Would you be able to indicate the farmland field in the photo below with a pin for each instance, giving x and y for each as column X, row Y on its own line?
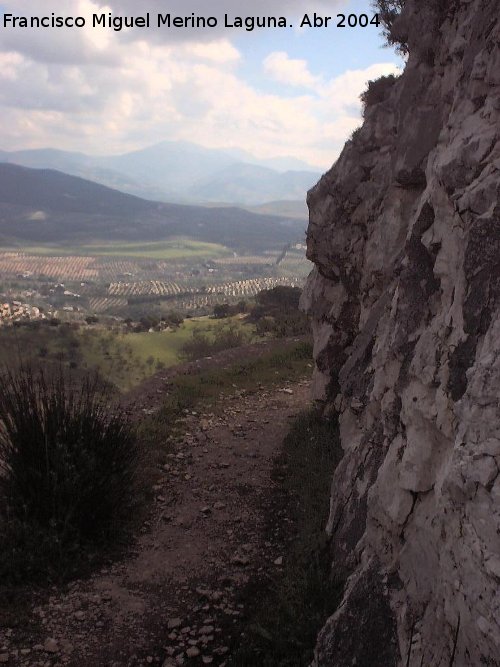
column 131, row 280
column 177, row 248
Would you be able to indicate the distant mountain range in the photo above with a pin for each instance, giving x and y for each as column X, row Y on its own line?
column 44, row 206
column 182, row 172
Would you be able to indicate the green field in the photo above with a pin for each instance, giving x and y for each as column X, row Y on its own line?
column 165, row 346
column 175, row 248
column 124, row 359
column 127, row 359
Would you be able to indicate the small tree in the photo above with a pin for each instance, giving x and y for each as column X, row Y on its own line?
column 388, row 11
column 221, row 310
column 174, row 318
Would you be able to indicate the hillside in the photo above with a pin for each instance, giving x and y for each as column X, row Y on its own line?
column 182, row 172
column 50, row 207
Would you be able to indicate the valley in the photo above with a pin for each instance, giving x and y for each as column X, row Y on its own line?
column 72, row 249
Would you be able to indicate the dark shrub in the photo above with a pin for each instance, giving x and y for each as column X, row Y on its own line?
column 281, row 296
column 222, row 310
column 277, row 312
column 67, row 471
column 388, row 11
column 202, row 345
column 174, row 318
column 377, row 91
column 356, row 134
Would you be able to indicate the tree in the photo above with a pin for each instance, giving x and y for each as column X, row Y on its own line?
column 174, row 318
column 221, row 310
column 279, row 297
column 277, row 312
column 388, row 11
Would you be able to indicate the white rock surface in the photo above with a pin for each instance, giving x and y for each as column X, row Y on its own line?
column 405, row 234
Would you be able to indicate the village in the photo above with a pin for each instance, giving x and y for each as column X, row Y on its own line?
column 15, row 311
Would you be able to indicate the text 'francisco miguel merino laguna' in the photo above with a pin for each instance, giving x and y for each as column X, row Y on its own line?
column 118, row 23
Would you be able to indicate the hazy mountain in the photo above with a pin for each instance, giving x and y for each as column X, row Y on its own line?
column 283, row 163
column 182, row 172
column 47, row 206
column 174, row 166
column 252, row 185
column 78, row 164
column 286, row 208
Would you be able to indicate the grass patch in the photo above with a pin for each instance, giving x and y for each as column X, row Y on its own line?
column 291, row 608
column 38, row 345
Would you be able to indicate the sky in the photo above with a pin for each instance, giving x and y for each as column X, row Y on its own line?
column 273, row 92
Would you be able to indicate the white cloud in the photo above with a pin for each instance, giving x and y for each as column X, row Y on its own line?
column 91, row 90
column 221, row 51
column 343, row 92
column 290, row 71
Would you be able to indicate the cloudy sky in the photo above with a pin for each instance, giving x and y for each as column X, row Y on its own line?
column 271, row 92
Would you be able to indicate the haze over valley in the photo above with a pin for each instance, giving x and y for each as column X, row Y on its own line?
column 183, row 172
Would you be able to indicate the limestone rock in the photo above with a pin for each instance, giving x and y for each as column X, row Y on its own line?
column 51, row 645
column 174, row 623
column 405, row 299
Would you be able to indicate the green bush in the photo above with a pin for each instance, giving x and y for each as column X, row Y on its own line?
column 68, row 466
column 396, row 33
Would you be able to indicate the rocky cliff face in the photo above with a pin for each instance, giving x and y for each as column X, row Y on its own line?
column 405, row 297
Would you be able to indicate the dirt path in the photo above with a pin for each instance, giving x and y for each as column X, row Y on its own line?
column 175, row 599
column 146, row 395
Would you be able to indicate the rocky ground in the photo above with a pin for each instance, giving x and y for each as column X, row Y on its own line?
column 177, row 598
